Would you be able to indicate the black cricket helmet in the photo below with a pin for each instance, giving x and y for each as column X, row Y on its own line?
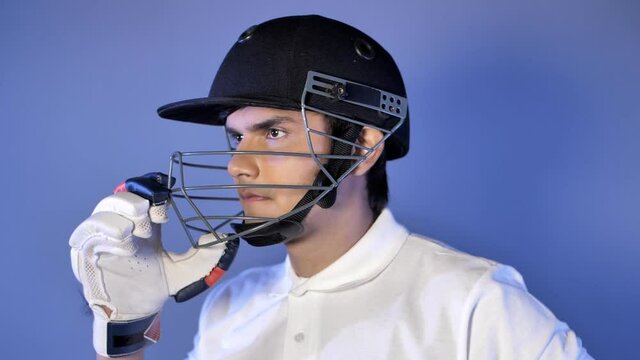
column 304, row 63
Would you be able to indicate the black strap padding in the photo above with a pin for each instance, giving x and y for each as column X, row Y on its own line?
column 269, row 235
column 200, row 285
column 126, row 337
column 337, row 167
column 191, row 290
column 229, row 254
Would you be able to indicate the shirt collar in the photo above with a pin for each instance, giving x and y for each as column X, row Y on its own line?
column 364, row 261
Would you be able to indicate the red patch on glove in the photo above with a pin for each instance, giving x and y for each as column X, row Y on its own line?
column 215, row 275
column 120, row 188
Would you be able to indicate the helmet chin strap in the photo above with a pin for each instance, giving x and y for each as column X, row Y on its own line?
column 291, row 227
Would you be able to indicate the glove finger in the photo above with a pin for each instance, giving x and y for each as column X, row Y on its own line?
column 159, row 213
column 75, row 259
column 104, row 232
column 130, row 206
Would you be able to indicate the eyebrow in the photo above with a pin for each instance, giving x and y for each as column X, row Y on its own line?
column 264, row 124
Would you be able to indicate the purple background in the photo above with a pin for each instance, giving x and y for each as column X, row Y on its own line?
column 525, row 128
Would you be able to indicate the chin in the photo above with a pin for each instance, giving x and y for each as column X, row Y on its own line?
column 261, row 211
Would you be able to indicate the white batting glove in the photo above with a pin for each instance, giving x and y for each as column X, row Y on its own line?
column 127, row 276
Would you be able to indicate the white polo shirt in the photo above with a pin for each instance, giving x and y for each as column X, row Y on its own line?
column 393, row 295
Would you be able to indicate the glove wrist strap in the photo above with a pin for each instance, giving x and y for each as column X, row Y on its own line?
column 120, row 338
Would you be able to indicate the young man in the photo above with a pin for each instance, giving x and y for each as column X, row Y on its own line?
column 313, row 109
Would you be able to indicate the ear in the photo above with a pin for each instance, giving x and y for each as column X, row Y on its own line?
column 369, row 138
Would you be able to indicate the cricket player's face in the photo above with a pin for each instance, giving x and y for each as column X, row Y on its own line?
column 268, row 129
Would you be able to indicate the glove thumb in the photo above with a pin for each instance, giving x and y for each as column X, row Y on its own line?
column 192, row 272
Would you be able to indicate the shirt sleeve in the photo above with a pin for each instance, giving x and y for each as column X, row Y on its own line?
column 504, row 321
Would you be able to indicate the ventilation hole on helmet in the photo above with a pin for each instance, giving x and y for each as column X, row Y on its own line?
column 246, row 35
column 397, row 111
column 384, row 97
column 391, row 108
column 392, row 99
column 364, row 49
column 383, row 106
column 398, row 101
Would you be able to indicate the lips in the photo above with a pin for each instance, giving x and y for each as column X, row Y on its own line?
column 251, row 195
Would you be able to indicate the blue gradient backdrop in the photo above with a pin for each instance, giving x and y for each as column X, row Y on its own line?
column 525, row 128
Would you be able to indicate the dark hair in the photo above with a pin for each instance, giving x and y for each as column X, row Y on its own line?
column 377, row 184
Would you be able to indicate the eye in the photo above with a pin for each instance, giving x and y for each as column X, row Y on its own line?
column 234, row 139
column 273, row 133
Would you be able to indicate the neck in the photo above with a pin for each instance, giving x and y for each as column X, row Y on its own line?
column 330, row 233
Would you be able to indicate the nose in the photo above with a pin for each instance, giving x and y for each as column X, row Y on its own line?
column 243, row 166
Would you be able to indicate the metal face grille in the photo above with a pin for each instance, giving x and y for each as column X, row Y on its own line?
column 205, row 197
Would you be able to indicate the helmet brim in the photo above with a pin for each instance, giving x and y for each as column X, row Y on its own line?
column 214, row 110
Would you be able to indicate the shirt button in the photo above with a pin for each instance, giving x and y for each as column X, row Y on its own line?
column 299, row 337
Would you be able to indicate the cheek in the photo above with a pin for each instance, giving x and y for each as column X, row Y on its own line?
column 321, row 144
column 289, row 170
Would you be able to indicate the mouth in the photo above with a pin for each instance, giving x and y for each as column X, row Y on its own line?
column 249, row 196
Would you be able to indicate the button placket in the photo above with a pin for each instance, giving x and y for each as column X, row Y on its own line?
column 300, row 327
